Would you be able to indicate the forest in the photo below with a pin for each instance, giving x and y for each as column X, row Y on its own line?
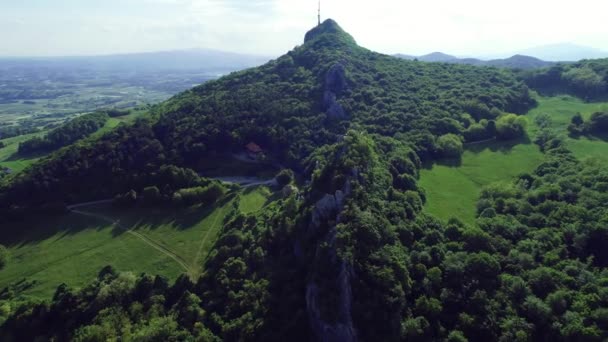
column 587, row 79
column 352, row 255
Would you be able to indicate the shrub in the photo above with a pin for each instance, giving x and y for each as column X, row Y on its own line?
column 126, row 200
column 284, row 177
column 598, row 123
column 151, row 195
column 510, row 126
column 199, row 195
column 449, row 145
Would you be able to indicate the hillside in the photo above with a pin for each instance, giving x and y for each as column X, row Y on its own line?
column 347, row 250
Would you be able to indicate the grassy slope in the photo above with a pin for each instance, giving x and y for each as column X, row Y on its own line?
column 72, row 249
column 453, row 190
column 562, row 109
column 8, row 154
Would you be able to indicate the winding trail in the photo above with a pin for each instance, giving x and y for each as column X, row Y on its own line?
column 159, row 247
column 247, row 182
column 195, row 263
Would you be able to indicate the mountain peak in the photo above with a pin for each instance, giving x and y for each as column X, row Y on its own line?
column 328, row 27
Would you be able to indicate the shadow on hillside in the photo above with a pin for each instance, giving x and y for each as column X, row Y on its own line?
column 101, row 217
column 155, row 218
column 33, row 230
column 21, row 156
column 502, row 146
column 592, row 136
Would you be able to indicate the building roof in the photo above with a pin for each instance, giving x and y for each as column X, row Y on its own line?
column 253, row 147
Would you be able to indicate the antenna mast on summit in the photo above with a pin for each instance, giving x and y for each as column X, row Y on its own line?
column 319, row 13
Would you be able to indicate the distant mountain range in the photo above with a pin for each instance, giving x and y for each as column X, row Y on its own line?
column 564, row 52
column 514, row 62
column 536, row 57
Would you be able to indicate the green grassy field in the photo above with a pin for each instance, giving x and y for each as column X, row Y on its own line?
column 73, row 248
column 562, row 109
column 453, row 188
column 9, row 157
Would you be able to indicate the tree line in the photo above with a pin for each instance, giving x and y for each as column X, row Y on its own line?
column 66, row 134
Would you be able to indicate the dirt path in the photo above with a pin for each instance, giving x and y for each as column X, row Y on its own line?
column 247, row 182
column 88, row 204
column 143, row 238
column 196, row 265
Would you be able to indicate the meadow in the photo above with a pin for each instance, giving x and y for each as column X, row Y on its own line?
column 453, row 187
column 9, row 157
column 71, row 249
column 562, row 109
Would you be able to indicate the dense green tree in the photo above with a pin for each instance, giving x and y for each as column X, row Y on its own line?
column 587, row 79
column 598, row 123
column 66, row 134
column 511, row 126
column 285, row 177
column 450, row 145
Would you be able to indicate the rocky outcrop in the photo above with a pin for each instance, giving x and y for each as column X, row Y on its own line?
column 335, row 84
column 343, row 329
column 335, row 79
column 333, row 109
column 327, row 209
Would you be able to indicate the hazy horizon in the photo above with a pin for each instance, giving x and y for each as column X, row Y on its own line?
column 34, row 28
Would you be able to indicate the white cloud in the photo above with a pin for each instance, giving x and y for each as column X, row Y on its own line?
column 464, row 27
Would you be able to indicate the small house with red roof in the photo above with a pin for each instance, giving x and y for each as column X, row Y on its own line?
column 254, row 151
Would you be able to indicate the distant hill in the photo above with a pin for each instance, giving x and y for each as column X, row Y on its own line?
column 564, row 52
column 514, row 62
column 438, row 57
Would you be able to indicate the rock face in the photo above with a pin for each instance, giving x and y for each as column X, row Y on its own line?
column 335, row 79
column 335, row 84
column 342, row 329
column 333, row 109
column 327, row 207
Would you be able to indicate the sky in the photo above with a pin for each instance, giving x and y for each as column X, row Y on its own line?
column 272, row 27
